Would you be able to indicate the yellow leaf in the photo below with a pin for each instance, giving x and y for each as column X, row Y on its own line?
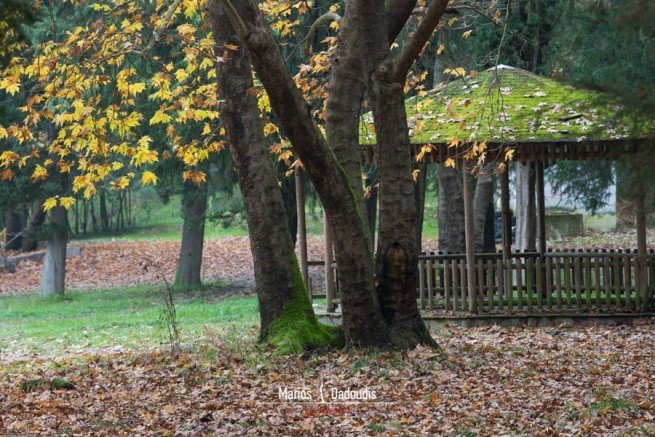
column 454, row 142
column 231, row 46
column 509, row 153
column 415, row 174
column 452, row 21
column 145, row 141
column 149, row 177
column 49, row 204
column 160, row 117
column 440, row 49
column 467, row 34
column 7, row 174
column 450, row 162
column 66, row 202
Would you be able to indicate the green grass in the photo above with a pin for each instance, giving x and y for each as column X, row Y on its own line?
column 128, row 317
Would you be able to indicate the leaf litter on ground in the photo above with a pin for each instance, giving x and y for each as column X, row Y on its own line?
column 564, row 380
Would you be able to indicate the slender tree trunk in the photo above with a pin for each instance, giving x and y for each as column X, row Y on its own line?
column 104, row 217
column 371, row 183
column 450, row 211
column 37, row 218
column 526, row 218
column 14, row 226
column 54, row 265
column 484, row 194
column 194, row 206
column 286, row 315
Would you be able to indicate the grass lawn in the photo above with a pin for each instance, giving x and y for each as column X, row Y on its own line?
column 128, row 317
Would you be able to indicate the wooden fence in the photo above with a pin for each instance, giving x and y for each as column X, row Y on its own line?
column 572, row 280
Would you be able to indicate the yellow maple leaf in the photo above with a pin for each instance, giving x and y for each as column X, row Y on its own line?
column 49, row 204
column 440, row 49
column 66, row 202
column 149, row 177
column 467, row 34
column 450, row 162
column 509, row 153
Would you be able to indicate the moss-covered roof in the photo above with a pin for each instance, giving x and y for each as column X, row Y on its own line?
column 506, row 104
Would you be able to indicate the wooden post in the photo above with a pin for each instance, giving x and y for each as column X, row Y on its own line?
column 329, row 272
column 506, row 232
column 302, row 229
column 541, row 206
column 642, row 256
column 470, row 240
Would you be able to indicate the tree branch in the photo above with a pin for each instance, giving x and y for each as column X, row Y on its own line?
column 413, row 48
column 397, row 12
column 157, row 33
column 319, row 21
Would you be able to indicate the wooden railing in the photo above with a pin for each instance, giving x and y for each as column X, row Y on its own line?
column 573, row 280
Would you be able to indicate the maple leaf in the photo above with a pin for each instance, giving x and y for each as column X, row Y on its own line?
column 450, row 162
column 149, row 177
column 49, row 203
column 66, row 202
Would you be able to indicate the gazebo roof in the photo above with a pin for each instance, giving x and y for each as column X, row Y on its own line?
column 509, row 106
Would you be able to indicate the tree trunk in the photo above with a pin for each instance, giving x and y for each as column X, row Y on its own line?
column 450, row 211
column 362, row 319
column 13, row 226
column 104, row 217
column 484, row 194
column 287, row 319
column 397, row 254
column 526, row 218
column 54, row 265
column 37, row 218
column 194, row 206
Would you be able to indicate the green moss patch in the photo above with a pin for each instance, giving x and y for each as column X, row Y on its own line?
column 297, row 329
column 513, row 105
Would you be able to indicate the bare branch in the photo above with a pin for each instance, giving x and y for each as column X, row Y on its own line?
column 413, row 48
column 157, row 33
column 319, row 21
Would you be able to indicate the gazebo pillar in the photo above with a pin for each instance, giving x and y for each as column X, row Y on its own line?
column 506, row 215
column 469, row 233
column 642, row 255
column 302, row 228
column 330, row 287
column 541, row 207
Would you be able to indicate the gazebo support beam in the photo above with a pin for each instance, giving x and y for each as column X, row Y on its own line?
column 541, row 206
column 642, row 257
column 470, row 239
column 302, row 228
column 330, row 287
column 506, row 216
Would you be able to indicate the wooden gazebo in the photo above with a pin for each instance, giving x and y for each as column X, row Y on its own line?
column 505, row 114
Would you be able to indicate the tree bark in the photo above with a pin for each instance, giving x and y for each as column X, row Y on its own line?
column 286, row 315
column 526, row 219
column 450, row 211
column 37, row 218
column 362, row 319
column 54, row 265
column 13, row 226
column 104, row 217
column 397, row 254
column 194, row 206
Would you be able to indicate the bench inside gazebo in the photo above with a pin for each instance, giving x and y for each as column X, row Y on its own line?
column 511, row 115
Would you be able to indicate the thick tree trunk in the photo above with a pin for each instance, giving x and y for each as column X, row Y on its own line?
column 484, row 194
column 54, row 265
column 13, row 226
column 37, row 218
column 397, row 254
column 362, row 319
column 194, row 206
column 526, row 218
column 286, row 315
column 450, row 210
